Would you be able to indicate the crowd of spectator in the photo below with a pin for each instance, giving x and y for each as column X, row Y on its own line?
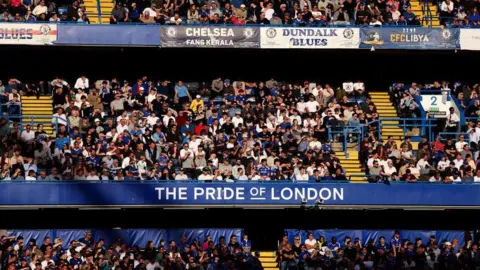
column 86, row 254
column 394, row 253
column 297, row 13
column 42, row 11
column 158, row 130
column 459, row 14
column 453, row 157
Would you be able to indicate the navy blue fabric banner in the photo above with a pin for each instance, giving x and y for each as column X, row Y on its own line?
column 180, row 194
column 411, row 38
column 116, row 35
column 131, row 237
column 201, row 36
column 366, row 235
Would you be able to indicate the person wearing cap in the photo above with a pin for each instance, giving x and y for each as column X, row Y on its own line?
column 240, row 11
column 276, row 20
column 197, row 104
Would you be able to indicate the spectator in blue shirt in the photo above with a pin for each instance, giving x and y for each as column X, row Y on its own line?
column 299, row 21
column 134, row 14
column 75, row 260
column 62, row 140
column 333, row 245
column 396, row 242
column 402, row 21
column 382, row 245
column 181, row 93
column 87, row 240
column 475, row 16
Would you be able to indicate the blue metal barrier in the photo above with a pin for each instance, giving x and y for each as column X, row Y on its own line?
column 52, row 120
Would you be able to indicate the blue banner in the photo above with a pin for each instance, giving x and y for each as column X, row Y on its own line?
column 113, row 35
column 365, row 235
column 410, row 38
column 131, row 237
column 221, row 194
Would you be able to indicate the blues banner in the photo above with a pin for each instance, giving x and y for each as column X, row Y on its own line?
column 112, row 35
column 410, row 38
column 248, row 194
column 470, row 39
column 210, row 37
column 28, row 33
column 309, row 38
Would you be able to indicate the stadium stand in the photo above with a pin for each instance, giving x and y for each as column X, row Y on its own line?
column 237, row 131
column 300, row 249
column 220, row 130
column 232, row 249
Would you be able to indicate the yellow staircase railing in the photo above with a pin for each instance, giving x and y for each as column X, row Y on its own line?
column 419, row 9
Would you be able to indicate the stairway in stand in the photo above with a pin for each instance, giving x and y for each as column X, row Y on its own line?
column 92, row 10
column 268, row 260
column 31, row 107
column 99, row 7
column 419, row 10
column 349, row 161
column 106, row 7
column 385, row 109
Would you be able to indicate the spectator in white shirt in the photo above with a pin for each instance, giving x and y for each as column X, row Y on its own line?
column 312, row 105
column 461, row 142
column 59, row 117
column 476, row 178
column 31, row 176
column 92, row 176
column 205, row 176
column 181, row 175
column 376, row 22
column 310, row 243
column 40, row 9
column 237, row 120
column 389, row 169
column 59, row 83
column 47, row 260
column 82, row 83
column 151, row 11
column 447, row 7
column 435, row 178
column 452, row 121
column 27, row 136
column 458, row 161
column 423, row 165
column 442, row 164
column 302, row 175
column 241, row 175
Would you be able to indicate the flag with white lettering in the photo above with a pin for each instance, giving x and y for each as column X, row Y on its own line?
column 310, row 38
column 410, row 38
column 209, row 37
